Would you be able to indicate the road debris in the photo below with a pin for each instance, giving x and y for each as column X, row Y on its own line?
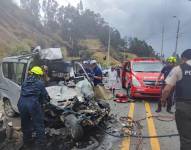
column 2, row 128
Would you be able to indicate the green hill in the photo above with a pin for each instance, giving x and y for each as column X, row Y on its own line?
column 20, row 30
column 99, row 52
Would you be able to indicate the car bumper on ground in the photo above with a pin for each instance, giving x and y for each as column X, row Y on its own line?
column 146, row 92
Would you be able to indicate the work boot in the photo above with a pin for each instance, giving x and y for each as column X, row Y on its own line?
column 27, row 145
column 159, row 107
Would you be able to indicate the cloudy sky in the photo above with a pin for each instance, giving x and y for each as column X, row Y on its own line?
column 144, row 19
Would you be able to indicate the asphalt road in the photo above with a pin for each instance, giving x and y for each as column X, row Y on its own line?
column 150, row 126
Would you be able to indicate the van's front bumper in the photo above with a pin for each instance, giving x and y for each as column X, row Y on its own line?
column 146, row 92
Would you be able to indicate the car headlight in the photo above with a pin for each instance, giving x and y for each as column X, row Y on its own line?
column 135, row 82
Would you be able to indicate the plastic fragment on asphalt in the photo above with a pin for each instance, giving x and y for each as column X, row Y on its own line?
column 121, row 95
column 121, row 100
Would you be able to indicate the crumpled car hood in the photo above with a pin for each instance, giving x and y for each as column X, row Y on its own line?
column 60, row 93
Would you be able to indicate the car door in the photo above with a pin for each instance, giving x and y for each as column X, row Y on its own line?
column 128, row 74
column 14, row 75
column 80, row 72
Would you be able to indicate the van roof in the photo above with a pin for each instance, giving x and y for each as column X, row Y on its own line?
column 16, row 58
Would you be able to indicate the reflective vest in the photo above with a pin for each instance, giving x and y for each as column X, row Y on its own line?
column 183, row 87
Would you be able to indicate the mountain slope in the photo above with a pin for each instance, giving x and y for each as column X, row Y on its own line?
column 19, row 30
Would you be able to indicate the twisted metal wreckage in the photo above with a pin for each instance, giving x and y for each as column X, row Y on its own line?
column 72, row 111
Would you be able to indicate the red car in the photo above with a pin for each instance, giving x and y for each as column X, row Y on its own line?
column 139, row 77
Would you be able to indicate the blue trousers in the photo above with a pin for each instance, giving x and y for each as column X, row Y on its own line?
column 32, row 118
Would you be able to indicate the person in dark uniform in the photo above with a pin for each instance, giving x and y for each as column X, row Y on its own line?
column 97, row 73
column 180, row 78
column 171, row 61
column 33, row 96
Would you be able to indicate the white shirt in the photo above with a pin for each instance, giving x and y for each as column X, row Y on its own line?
column 112, row 75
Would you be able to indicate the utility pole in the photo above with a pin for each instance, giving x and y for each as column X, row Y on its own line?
column 177, row 38
column 124, row 54
column 108, row 48
column 162, row 43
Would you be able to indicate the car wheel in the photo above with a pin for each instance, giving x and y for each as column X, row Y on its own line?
column 8, row 109
column 75, row 129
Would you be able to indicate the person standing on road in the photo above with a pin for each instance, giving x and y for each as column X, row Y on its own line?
column 97, row 73
column 171, row 61
column 33, row 96
column 180, row 78
column 112, row 79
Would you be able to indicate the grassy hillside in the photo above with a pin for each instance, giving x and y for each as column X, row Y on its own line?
column 128, row 55
column 99, row 57
column 99, row 52
column 19, row 31
column 92, row 44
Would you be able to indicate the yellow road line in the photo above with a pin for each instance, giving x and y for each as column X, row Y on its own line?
column 126, row 142
column 151, row 128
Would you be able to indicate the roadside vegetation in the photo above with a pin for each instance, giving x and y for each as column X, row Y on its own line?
column 81, row 33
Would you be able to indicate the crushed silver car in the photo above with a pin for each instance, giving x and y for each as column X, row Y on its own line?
column 72, row 104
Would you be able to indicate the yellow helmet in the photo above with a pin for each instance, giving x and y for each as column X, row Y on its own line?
column 171, row 59
column 174, row 59
column 37, row 70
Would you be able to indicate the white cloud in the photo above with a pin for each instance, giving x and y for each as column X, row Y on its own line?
column 17, row 1
column 66, row 2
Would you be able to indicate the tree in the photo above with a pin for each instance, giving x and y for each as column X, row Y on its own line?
column 80, row 7
column 72, row 24
column 140, row 48
column 50, row 9
column 32, row 6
